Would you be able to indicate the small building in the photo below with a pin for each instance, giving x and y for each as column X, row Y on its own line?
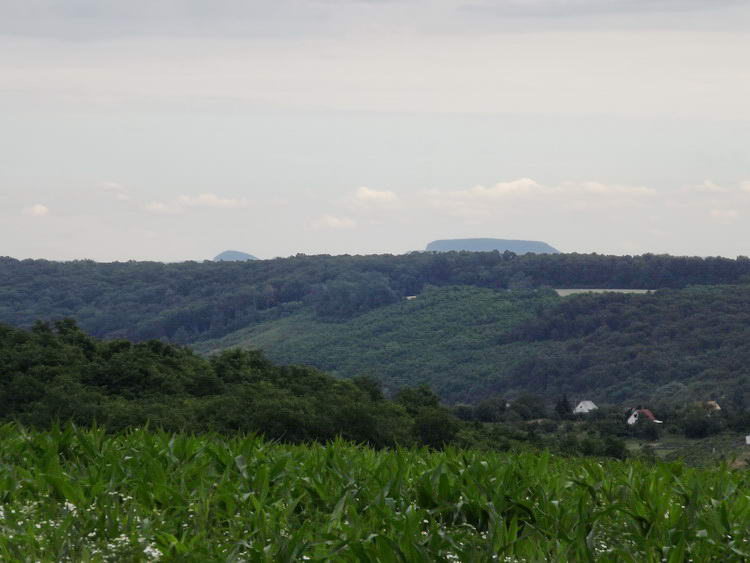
column 637, row 414
column 585, row 407
column 410, row 297
column 747, row 440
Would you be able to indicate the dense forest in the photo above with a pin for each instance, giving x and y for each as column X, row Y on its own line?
column 55, row 374
column 189, row 302
column 691, row 344
column 447, row 338
column 58, row 373
column 474, row 324
column 686, row 345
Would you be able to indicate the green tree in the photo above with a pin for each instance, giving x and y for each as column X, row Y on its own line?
column 414, row 399
column 563, row 407
column 436, row 427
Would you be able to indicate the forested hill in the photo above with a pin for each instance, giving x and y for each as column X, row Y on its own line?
column 191, row 302
column 58, row 373
column 55, row 374
column 468, row 343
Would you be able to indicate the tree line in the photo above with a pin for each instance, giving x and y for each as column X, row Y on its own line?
column 190, row 301
column 56, row 373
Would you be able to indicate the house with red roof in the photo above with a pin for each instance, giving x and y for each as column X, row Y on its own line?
column 639, row 413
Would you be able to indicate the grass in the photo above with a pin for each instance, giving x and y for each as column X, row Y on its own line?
column 80, row 495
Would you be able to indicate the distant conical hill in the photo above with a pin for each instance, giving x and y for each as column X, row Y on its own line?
column 490, row 244
column 233, row 256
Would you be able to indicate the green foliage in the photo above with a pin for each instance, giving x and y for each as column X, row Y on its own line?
column 563, row 408
column 415, row 399
column 697, row 424
column 471, row 343
column 491, row 409
column 59, row 373
column 446, row 338
column 190, row 302
column 80, row 495
column 349, row 295
column 346, row 315
column 436, row 427
column 529, row 407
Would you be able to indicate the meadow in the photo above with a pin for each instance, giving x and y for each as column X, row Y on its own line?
column 72, row 494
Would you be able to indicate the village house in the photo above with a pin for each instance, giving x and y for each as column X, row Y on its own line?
column 640, row 413
column 585, row 407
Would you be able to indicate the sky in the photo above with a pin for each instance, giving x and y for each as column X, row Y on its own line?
column 175, row 129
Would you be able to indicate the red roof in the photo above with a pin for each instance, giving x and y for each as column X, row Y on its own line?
column 647, row 413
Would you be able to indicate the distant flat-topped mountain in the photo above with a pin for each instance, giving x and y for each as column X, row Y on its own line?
column 490, row 244
column 233, row 256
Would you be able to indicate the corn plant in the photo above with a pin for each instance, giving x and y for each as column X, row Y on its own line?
column 72, row 494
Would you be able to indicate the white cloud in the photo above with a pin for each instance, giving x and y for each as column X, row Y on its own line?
column 183, row 202
column 36, row 210
column 368, row 195
column 528, row 188
column 211, row 200
column 525, row 193
column 522, row 186
column 598, row 216
column 160, row 208
column 724, row 215
column 333, row 222
column 116, row 189
column 707, row 186
column 111, row 186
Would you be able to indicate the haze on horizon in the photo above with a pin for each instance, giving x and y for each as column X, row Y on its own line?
column 178, row 129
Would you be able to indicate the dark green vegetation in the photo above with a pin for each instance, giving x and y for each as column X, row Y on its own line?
column 233, row 256
column 675, row 345
column 190, row 302
column 490, row 244
column 447, row 338
column 81, row 495
column 59, row 373
column 465, row 335
column 52, row 374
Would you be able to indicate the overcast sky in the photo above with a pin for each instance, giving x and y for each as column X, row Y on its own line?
column 175, row 129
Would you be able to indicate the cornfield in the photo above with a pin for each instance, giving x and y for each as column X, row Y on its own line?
column 72, row 494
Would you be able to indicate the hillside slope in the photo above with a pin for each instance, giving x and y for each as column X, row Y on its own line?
column 190, row 302
column 446, row 338
column 682, row 345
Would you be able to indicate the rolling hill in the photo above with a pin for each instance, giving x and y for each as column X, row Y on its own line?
column 446, row 338
column 479, row 322
column 491, row 244
column 233, row 256
column 468, row 343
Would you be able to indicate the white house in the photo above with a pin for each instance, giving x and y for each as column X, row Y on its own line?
column 585, row 407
